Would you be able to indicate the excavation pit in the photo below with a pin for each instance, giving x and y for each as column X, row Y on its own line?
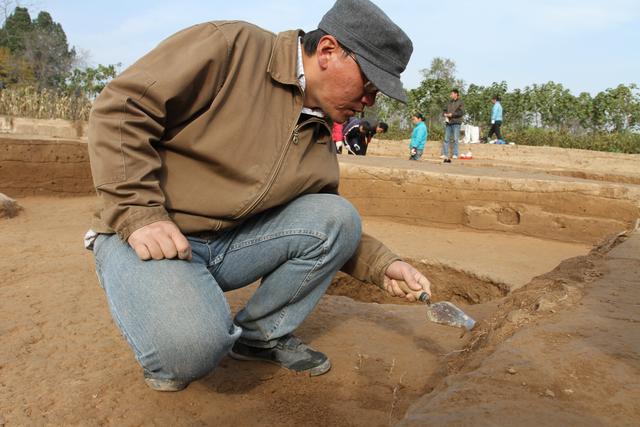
column 447, row 284
column 514, row 249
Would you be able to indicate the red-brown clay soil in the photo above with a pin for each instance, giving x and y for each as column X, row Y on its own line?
column 559, row 348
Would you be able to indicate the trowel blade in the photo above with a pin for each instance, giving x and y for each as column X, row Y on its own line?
column 445, row 313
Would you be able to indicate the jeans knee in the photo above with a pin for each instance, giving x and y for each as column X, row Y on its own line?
column 188, row 355
column 344, row 222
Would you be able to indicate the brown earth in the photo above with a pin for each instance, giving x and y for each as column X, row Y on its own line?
column 62, row 361
column 564, row 350
column 43, row 165
column 594, row 165
column 554, row 346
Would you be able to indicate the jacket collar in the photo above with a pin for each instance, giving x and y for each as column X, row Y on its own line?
column 282, row 64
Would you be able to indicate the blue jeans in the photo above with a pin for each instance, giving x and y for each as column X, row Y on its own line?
column 174, row 314
column 451, row 128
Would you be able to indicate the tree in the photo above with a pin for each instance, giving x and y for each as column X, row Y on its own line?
column 617, row 110
column 517, row 109
column 14, row 70
column 388, row 110
column 443, row 69
column 15, row 30
column 584, row 113
column 551, row 104
column 477, row 101
column 41, row 43
column 47, row 50
column 89, row 82
column 433, row 93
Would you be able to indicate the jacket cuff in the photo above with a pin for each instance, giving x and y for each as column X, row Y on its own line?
column 370, row 261
column 139, row 216
column 379, row 270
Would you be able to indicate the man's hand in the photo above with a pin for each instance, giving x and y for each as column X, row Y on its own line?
column 159, row 240
column 400, row 270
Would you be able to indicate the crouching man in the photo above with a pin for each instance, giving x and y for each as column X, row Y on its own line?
column 213, row 161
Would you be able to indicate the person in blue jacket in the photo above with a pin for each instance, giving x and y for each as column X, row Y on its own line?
column 496, row 119
column 418, row 137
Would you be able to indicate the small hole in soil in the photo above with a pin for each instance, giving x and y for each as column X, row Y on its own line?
column 508, row 216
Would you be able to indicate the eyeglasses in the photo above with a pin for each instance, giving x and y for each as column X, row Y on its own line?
column 369, row 88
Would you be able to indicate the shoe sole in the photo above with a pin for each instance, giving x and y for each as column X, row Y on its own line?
column 323, row 368
column 165, row 385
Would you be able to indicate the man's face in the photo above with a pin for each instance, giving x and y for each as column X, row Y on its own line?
column 415, row 120
column 345, row 90
column 454, row 96
column 379, row 130
column 493, row 101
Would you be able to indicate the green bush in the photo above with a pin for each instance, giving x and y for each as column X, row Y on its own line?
column 436, row 133
column 397, row 134
column 622, row 142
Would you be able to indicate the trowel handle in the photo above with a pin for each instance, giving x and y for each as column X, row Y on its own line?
column 424, row 297
column 421, row 296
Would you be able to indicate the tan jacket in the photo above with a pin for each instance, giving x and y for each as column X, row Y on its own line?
column 206, row 130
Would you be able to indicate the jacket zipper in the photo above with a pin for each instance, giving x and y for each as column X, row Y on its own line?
column 293, row 138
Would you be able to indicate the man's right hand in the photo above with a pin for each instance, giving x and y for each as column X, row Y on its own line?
column 160, row 240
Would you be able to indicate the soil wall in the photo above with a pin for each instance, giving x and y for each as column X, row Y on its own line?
column 54, row 128
column 31, row 166
column 567, row 210
column 570, row 210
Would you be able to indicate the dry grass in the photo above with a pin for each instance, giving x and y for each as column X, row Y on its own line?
column 43, row 104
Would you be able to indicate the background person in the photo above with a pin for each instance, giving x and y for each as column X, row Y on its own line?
column 355, row 136
column 496, row 119
column 379, row 128
column 418, row 137
column 338, row 137
column 453, row 114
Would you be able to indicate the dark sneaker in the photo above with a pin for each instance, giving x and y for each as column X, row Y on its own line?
column 447, row 160
column 290, row 353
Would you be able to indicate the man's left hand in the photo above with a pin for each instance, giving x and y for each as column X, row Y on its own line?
column 400, row 270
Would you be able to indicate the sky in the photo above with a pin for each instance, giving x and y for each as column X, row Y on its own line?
column 587, row 45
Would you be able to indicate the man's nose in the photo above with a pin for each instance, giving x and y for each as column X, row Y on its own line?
column 369, row 99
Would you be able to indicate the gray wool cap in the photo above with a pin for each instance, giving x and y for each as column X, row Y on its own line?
column 381, row 47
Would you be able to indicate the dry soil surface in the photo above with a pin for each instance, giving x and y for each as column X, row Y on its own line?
column 62, row 361
column 562, row 350
column 596, row 165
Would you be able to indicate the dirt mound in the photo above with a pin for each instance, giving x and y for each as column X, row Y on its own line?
column 561, row 351
column 561, row 288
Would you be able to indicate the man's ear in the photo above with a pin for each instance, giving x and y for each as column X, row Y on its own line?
column 328, row 48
